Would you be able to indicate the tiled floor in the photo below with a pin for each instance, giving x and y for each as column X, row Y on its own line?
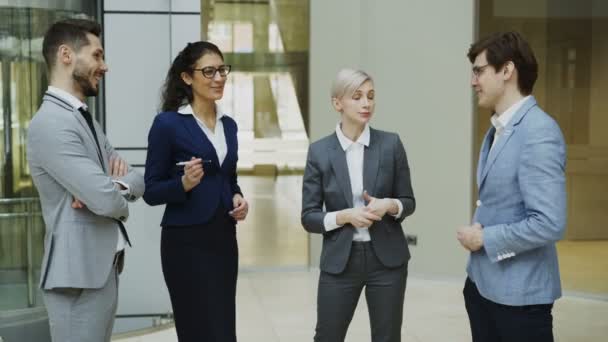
column 280, row 306
column 272, row 236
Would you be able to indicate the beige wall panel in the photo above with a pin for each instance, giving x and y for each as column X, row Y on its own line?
column 421, row 73
column 587, row 206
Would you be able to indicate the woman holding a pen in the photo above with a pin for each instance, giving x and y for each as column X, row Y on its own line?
column 191, row 167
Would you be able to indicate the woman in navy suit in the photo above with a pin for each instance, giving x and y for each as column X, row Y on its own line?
column 191, row 167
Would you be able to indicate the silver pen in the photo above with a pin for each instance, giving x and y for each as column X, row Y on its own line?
column 183, row 163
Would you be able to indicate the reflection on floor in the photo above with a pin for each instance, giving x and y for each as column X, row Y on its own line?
column 281, row 306
column 584, row 266
column 272, row 235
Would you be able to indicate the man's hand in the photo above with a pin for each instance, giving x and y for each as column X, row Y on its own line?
column 118, row 167
column 358, row 217
column 380, row 206
column 470, row 237
column 77, row 204
column 241, row 207
column 193, row 173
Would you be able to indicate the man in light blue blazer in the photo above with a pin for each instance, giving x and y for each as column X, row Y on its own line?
column 513, row 274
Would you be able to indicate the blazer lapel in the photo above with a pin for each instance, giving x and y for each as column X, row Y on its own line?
column 100, row 154
column 495, row 151
column 483, row 155
column 371, row 162
column 506, row 134
column 199, row 137
column 337, row 158
column 104, row 154
column 231, row 144
column 85, row 127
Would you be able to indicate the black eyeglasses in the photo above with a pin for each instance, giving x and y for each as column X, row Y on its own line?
column 209, row 72
column 478, row 70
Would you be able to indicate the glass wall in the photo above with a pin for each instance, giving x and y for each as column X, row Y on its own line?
column 570, row 40
column 23, row 81
column 266, row 42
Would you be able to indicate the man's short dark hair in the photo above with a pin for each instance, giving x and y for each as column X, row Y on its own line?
column 71, row 32
column 503, row 47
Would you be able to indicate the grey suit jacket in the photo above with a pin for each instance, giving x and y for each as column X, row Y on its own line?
column 327, row 188
column 79, row 244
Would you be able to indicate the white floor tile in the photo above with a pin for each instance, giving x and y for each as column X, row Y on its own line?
column 281, row 307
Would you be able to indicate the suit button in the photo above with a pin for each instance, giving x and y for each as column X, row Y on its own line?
column 478, row 203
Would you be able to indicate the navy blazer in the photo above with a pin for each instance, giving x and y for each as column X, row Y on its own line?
column 174, row 138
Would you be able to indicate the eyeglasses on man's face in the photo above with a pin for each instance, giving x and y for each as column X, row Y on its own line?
column 209, row 72
column 478, row 70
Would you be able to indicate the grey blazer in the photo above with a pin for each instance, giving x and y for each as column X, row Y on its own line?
column 326, row 188
column 79, row 244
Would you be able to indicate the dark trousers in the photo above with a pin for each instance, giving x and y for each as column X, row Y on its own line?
column 200, row 266
column 493, row 322
column 338, row 295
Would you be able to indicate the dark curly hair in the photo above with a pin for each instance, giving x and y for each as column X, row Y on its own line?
column 175, row 91
column 503, row 47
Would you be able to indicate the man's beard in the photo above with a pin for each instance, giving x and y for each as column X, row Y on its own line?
column 83, row 82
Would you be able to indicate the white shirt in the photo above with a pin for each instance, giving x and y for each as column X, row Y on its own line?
column 354, row 159
column 67, row 97
column 217, row 137
column 500, row 121
column 121, row 243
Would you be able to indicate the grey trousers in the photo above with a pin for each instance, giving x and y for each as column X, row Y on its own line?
column 338, row 295
column 83, row 315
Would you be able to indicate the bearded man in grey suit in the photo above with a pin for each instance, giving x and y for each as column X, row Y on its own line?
column 84, row 188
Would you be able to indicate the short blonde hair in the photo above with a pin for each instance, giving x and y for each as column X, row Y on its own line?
column 348, row 81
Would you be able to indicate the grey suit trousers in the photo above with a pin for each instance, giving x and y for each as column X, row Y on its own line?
column 83, row 315
column 338, row 295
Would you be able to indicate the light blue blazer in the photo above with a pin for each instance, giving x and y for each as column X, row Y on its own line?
column 522, row 207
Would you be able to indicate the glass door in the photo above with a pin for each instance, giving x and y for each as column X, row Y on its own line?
column 267, row 43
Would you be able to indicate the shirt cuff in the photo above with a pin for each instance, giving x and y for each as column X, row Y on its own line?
column 126, row 191
column 400, row 211
column 329, row 221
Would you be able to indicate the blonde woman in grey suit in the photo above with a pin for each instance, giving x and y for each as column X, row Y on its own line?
column 356, row 193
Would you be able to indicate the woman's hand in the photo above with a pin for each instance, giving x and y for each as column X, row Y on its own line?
column 358, row 217
column 380, row 206
column 241, row 207
column 193, row 173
